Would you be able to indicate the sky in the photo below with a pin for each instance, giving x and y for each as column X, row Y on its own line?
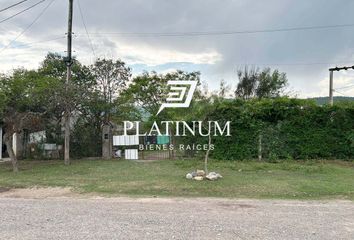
column 137, row 32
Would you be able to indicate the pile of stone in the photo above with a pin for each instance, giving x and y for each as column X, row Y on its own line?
column 200, row 175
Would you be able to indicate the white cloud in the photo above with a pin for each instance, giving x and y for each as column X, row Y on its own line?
column 151, row 55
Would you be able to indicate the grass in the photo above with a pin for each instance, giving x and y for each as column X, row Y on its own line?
column 286, row 180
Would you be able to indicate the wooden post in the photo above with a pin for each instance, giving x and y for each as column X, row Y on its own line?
column 260, row 147
column 331, row 87
column 68, row 78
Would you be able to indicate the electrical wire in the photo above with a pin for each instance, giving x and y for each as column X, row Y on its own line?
column 211, row 33
column 24, row 10
column 28, row 27
column 346, row 87
column 87, row 33
column 295, row 64
column 340, row 93
column 13, row 5
column 41, row 41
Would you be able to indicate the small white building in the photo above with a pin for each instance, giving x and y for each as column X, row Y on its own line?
column 18, row 142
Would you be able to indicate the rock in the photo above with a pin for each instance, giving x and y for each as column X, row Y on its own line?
column 200, row 173
column 194, row 174
column 213, row 176
column 189, row 176
column 198, row 178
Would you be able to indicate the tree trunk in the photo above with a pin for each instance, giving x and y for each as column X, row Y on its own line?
column 207, row 156
column 8, row 142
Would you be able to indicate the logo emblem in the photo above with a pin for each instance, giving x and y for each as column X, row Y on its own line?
column 180, row 95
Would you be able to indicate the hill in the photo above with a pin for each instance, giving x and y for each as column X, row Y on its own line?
column 324, row 100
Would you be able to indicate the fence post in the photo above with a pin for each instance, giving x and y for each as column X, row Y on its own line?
column 260, row 147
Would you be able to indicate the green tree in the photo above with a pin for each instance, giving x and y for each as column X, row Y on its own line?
column 254, row 83
column 76, row 96
column 247, row 85
column 111, row 78
column 149, row 90
column 271, row 83
column 27, row 97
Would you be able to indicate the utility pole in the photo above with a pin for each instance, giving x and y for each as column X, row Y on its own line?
column 331, row 90
column 68, row 62
column 330, row 87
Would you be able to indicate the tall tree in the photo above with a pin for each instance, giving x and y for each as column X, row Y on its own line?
column 248, row 80
column 111, row 78
column 254, row 83
column 77, row 96
column 271, row 83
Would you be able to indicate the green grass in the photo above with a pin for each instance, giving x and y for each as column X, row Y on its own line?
column 287, row 180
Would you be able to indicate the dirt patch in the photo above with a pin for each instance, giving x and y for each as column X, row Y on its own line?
column 37, row 192
column 2, row 189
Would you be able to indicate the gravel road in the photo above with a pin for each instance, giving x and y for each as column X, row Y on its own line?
column 160, row 218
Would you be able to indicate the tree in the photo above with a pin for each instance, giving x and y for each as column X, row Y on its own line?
column 254, row 83
column 149, row 90
column 223, row 89
column 76, row 95
column 26, row 97
column 271, row 84
column 111, row 78
column 248, row 79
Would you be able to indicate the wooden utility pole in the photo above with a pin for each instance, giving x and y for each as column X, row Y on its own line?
column 331, row 90
column 69, row 62
column 331, row 87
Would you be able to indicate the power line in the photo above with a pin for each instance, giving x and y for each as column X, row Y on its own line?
column 340, row 93
column 87, row 33
column 239, row 64
column 295, row 63
column 346, row 87
column 28, row 27
column 225, row 32
column 24, row 10
column 41, row 41
column 13, row 5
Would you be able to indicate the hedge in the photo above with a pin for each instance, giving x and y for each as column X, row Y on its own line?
column 289, row 128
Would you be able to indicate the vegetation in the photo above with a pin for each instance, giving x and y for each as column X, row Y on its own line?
column 290, row 128
column 251, row 179
column 263, row 123
column 254, row 83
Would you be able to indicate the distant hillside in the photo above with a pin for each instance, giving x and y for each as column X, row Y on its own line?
column 324, row 100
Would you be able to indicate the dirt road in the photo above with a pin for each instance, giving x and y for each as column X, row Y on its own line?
column 154, row 218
